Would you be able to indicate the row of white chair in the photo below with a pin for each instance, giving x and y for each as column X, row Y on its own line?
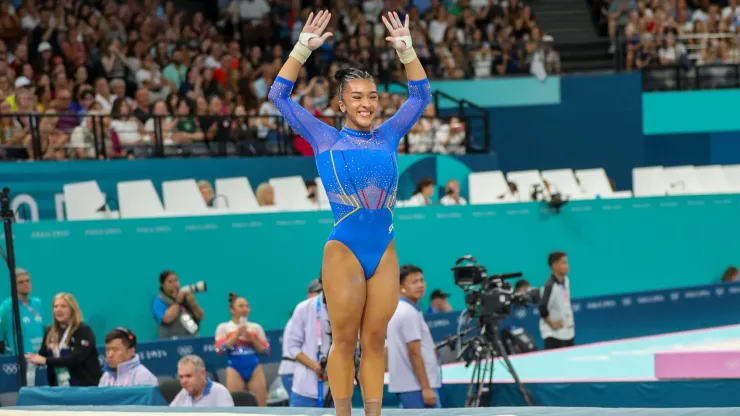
column 491, row 187
column 139, row 199
column 686, row 180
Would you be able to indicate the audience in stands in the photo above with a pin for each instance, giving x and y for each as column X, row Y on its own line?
column 126, row 58
column 122, row 365
column 243, row 342
column 197, row 389
column 68, row 350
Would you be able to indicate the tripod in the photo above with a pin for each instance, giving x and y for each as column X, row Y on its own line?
column 7, row 217
column 482, row 350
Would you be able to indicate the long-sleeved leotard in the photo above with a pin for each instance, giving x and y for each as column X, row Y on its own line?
column 359, row 170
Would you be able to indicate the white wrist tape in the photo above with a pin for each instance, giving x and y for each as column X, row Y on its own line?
column 408, row 54
column 301, row 52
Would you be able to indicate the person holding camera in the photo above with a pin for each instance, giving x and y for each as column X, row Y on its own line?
column 122, row 365
column 413, row 367
column 243, row 342
column 308, row 343
column 452, row 194
column 557, row 325
column 176, row 311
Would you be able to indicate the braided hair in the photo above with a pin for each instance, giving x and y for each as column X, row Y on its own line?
column 349, row 73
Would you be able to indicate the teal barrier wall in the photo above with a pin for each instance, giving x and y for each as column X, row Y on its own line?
column 690, row 111
column 615, row 246
column 496, row 92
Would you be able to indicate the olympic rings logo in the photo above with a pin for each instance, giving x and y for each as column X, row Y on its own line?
column 185, row 350
column 10, row 368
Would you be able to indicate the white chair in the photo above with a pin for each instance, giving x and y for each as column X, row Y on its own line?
column 732, row 174
column 681, row 180
column 321, row 197
column 525, row 181
column 238, row 194
column 85, row 201
column 489, row 187
column 183, row 197
column 595, row 182
column 139, row 199
column 648, row 181
column 713, row 180
column 564, row 181
column 291, row 194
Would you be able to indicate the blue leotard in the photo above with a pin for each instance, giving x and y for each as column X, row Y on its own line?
column 359, row 170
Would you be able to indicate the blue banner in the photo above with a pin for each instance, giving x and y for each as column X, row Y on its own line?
column 598, row 319
column 37, row 188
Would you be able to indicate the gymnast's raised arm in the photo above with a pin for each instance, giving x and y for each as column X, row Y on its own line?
column 309, row 127
column 419, row 92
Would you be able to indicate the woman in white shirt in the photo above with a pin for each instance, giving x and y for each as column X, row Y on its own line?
column 243, row 341
column 128, row 128
column 423, row 194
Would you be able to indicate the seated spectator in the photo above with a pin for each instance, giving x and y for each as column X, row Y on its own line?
column 265, row 195
column 197, row 389
column 127, row 127
column 122, row 365
column 68, row 350
column 206, row 191
column 452, row 194
column 423, row 194
column 730, row 274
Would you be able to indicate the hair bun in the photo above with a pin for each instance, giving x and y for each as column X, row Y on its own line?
column 342, row 73
column 232, row 296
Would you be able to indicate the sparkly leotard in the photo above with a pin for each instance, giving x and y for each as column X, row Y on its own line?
column 359, row 170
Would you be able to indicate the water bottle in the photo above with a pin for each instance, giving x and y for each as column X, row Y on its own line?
column 31, row 375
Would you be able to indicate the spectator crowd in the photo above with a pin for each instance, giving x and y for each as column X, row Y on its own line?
column 673, row 33
column 110, row 78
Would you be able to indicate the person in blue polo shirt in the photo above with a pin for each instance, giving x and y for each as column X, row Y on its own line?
column 197, row 389
column 413, row 367
column 32, row 321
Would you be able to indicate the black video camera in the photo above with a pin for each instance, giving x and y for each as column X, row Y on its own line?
column 489, row 297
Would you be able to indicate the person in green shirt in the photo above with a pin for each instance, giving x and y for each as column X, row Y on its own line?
column 32, row 322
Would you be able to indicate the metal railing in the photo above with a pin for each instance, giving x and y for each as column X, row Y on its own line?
column 64, row 136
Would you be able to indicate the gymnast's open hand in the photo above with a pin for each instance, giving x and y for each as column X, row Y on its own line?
column 312, row 35
column 400, row 35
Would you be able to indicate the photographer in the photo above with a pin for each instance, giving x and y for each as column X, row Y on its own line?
column 452, row 194
column 310, row 319
column 413, row 369
column 176, row 311
column 557, row 325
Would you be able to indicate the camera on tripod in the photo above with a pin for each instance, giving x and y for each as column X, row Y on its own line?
column 556, row 200
column 489, row 297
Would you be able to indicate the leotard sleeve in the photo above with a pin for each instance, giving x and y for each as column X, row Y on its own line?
column 401, row 123
column 319, row 134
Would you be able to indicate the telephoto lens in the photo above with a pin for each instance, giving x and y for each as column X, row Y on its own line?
column 196, row 287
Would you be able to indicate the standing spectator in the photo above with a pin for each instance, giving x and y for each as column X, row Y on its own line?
column 413, row 368
column 122, row 365
column 287, row 365
column 32, row 323
column 68, row 351
column 438, row 302
column 557, row 325
column 177, row 313
column 243, row 342
column 197, row 389
column 309, row 342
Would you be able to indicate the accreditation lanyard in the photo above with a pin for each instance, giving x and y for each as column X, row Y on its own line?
column 319, row 343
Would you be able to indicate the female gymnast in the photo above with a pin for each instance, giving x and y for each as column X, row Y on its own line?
column 358, row 167
column 243, row 342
